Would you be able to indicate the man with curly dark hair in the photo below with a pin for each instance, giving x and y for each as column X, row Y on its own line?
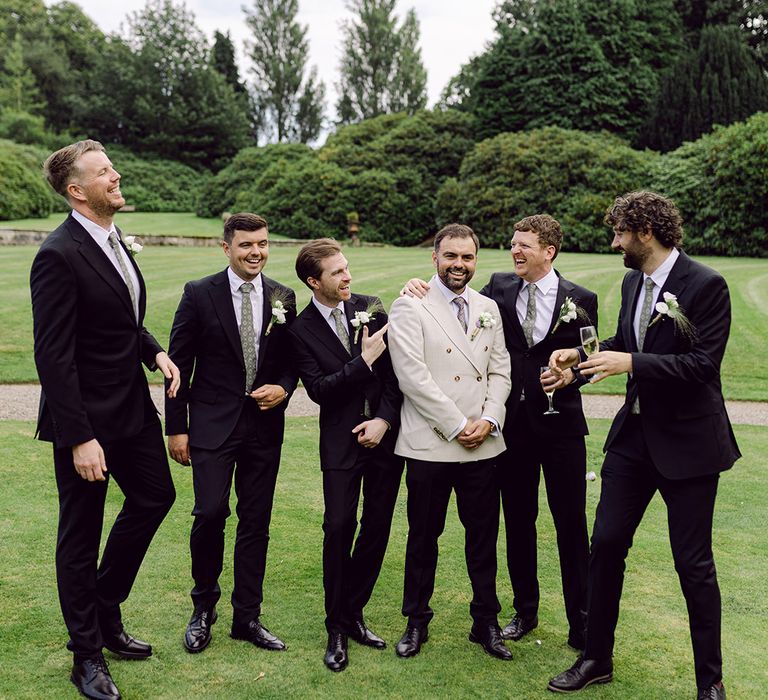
column 672, row 435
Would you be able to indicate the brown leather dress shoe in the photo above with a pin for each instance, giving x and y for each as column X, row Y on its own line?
column 198, row 634
column 255, row 633
column 489, row 637
column 91, row 677
column 126, row 646
column 518, row 627
column 336, row 657
column 583, row 673
column 359, row 632
column 411, row 641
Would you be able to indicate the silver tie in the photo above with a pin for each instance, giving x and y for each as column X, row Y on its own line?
column 124, row 269
column 460, row 304
column 530, row 315
column 341, row 331
column 645, row 313
column 247, row 337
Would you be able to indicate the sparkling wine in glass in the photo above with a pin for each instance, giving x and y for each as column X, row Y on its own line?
column 550, row 411
column 590, row 343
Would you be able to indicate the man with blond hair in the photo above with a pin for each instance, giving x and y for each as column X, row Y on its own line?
column 88, row 304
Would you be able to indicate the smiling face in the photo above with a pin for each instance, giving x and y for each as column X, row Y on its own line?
column 634, row 252
column 95, row 186
column 248, row 252
column 455, row 261
column 532, row 260
column 333, row 284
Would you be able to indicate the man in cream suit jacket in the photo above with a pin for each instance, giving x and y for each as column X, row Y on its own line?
column 453, row 368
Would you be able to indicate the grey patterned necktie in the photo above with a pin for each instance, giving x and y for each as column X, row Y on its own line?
column 460, row 304
column 247, row 337
column 645, row 314
column 530, row 315
column 124, row 269
column 341, row 331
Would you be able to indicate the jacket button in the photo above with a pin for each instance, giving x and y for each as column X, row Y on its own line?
column 457, row 378
column 479, row 379
column 486, row 348
column 447, row 349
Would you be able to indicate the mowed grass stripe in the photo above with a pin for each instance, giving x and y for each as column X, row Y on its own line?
column 381, row 271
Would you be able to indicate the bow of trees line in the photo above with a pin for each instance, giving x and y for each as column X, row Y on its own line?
column 569, row 101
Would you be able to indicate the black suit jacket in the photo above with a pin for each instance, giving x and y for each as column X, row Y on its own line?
column 685, row 423
column 205, row 345
column 340, row 383
column 88, row 344
column 504, row 288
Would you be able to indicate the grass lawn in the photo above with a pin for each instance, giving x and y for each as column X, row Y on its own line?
column 141, row 223
column 382, row 271
column 653, row 655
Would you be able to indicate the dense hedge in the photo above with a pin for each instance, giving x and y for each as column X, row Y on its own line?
column 23, row 191
column 571, row 175
column 387, row 169
column 720, row 184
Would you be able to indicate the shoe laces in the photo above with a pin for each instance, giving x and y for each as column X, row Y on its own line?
column 100, row 664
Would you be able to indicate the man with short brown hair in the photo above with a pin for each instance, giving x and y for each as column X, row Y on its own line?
column 341, row 356
column 88, row 304
column 230, row 341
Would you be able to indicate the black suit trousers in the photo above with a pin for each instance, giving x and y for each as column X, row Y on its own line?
column 477, row 501
column 91, row 596
column 629, row 481
column 254, row 465
column 563, row 462
column 350, row 573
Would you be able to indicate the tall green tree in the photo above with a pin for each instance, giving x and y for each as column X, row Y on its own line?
column 578, row 64
column 18, row 90
column 223, row 61
column 290, row 99
column 381, row 67
column 718, row 83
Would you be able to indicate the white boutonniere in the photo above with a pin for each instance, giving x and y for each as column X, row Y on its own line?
column 670, row 308
column 570, row 311
column 363, row 318
column 486, row 320
column 134, row 245
column 279, row 303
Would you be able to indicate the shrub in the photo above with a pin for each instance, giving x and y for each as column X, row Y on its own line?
column 571, row 175
column 23, row 190
column 720, row 184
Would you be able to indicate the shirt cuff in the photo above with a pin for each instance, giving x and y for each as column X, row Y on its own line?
column 495, row 431
column 456, row 432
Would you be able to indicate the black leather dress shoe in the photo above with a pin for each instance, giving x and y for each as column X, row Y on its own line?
column 255, row 633
column 489, row 637
column 714, row 692
column 126, row 646
column 411, row 641
column 362, row 635
column 583, row 673
column 518, row 627
column 336, row 657
column 198, row 634
column 91, row 677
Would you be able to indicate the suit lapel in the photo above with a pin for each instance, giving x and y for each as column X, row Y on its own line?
column 267, row 290
column 99, row 261
column 221, row 296
column 355, row 303
column 564, row 288
column 437, row 306
column 509, row 308
column 319, row 328
column 629, row 319
column 142, row 287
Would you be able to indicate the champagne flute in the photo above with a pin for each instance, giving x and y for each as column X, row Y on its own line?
column 589, row 343
column 550, row 393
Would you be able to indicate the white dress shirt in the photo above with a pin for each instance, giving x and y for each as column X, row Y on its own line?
column 546, row 298
column 659, row 277
column 257, row 303
column 101, row 237
column 325, row 312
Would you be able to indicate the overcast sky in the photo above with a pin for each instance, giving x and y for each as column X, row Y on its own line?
column 451, row 31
